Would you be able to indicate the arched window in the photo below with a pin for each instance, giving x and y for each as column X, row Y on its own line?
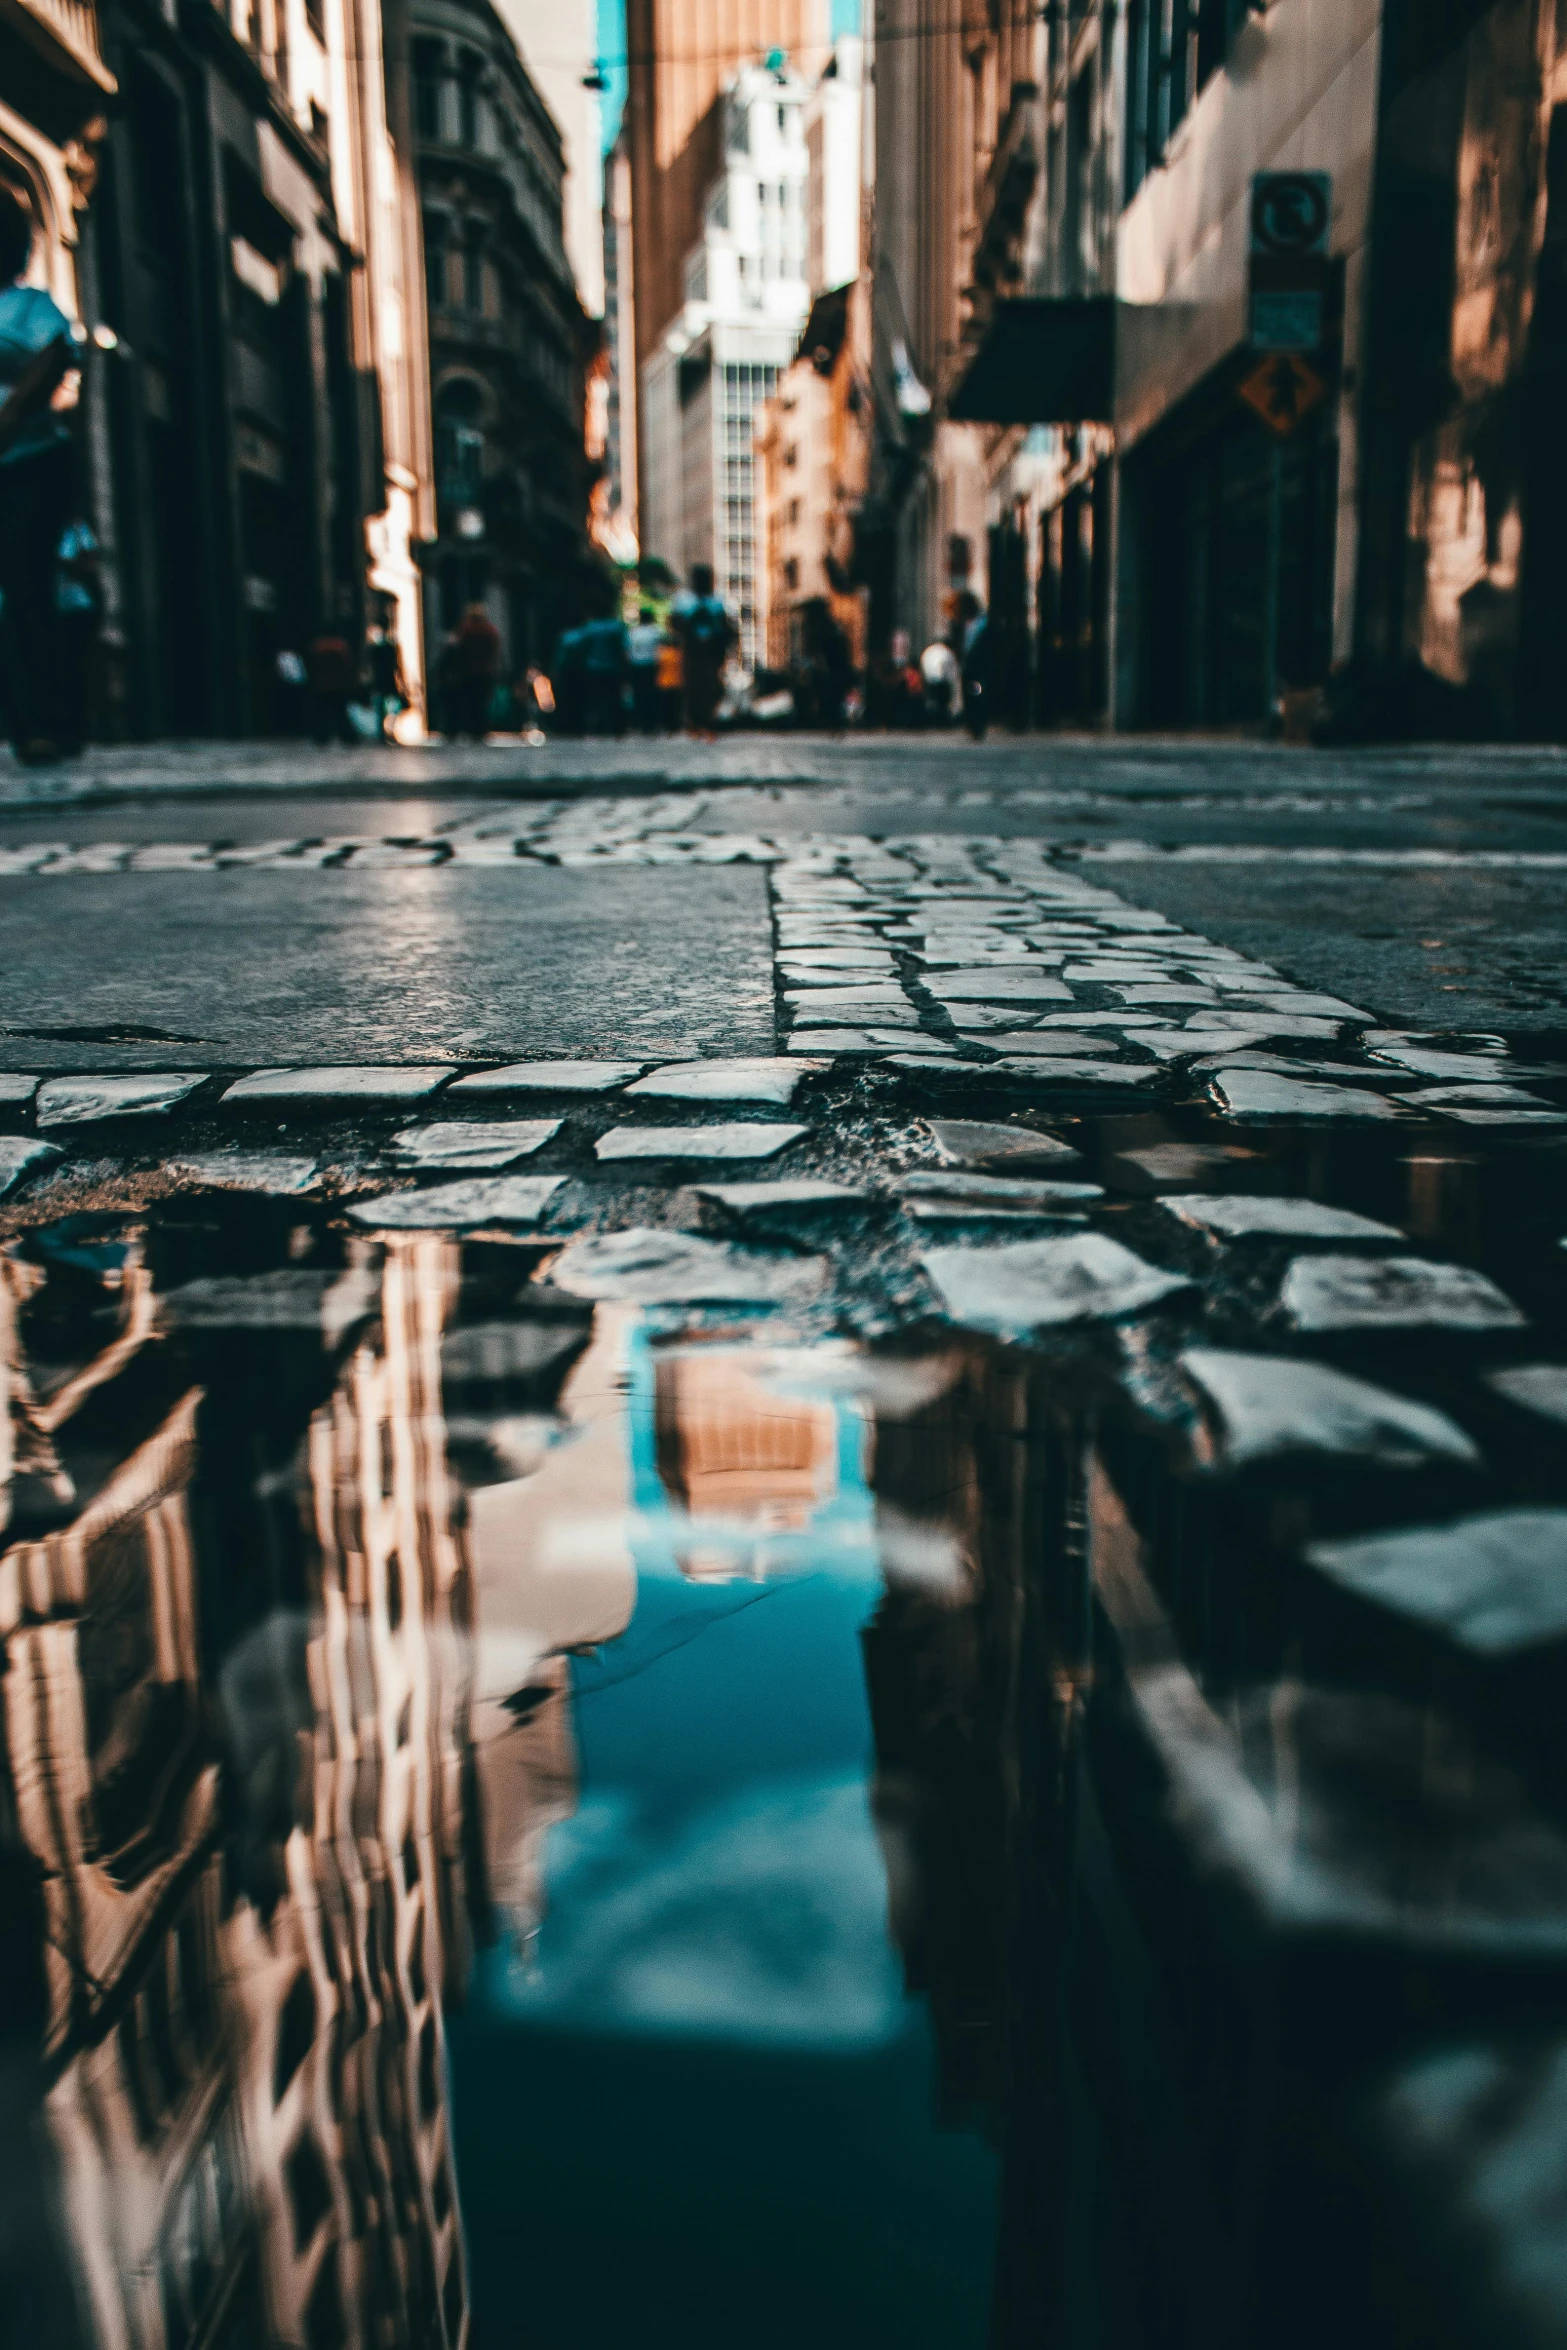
column 429, row 64
column 459, row 443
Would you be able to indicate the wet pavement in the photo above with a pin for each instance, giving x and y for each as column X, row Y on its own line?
column 895, row 1679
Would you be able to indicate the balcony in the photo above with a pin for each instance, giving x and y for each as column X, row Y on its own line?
column 65, row 33
column 1002, row 199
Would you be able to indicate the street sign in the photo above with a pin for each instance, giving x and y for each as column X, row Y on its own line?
column 1283, row 390
column 1291, row 217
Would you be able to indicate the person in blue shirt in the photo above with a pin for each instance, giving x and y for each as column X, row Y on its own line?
column 36, row 351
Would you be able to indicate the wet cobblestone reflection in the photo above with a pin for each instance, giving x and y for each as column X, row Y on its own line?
column 544, row 1797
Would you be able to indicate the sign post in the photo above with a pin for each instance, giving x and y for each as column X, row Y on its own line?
column 1287, row 284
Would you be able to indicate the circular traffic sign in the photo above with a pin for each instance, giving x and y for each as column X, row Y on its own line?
column 1289, row 211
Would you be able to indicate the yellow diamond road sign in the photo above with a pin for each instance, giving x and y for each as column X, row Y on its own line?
column 1283, row 390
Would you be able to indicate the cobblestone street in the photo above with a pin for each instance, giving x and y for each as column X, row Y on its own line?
column 1078, row 1230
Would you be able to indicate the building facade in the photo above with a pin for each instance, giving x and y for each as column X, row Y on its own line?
column 508, row 341
column 620, row 349
column 557, row 41
column 223, row 198
column 813, row 439
column 680, row 55
column 1189, row 537
column 721, row 358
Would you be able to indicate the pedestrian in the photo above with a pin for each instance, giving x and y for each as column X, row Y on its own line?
column 605, row 666
column 388, row 686
column 829, row 664
column 706, row 634
column 37, row 356
column 566, row 676
column 974, row 645
column 78, row 603
column 671, row 682
column 939, row 681
column 478, row 669
column 444, row 686
column 329, row 664
column 645, row 646
column 291, row 692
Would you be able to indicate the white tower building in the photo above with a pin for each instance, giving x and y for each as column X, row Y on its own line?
column 747, row 297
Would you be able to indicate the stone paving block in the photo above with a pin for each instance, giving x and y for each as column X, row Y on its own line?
column 20, row 1157
column 804, row 1191
column 1053, row 1045
column 1494, row 1583
column 1009, row 984
column 265, row 1171
column 961, row 1188
column 81, row 1101
column 328, row 1088
column 478, row 1143
column 985, row 1143
column 1431, row 1061
column 858, row 1002
column 990, row 1143
column 652, row 1267
column 1179, row 1044
column 1505, row 1117
column 495, row 1199
column 859, row 1042
column 16, row 1091
column 1271, row 1406
column 1328, row 1293
column 551, row 1077
column 1258, row 1093
column 1327, row 1007
column 1044, row 1284
column 1047, row 1071
column 1536, row 1387
column 761, row 1139
column 1244, row 1215
column 760, row 1079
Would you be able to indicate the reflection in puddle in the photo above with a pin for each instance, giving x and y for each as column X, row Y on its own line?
column 535, row 1817
column 399, row 1654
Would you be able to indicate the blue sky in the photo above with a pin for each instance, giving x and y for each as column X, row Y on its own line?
column 612, row 51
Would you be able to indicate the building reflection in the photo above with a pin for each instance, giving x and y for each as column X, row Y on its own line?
column 303, row 1534
column 245, row 1818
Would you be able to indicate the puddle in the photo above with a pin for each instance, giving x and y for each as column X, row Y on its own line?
column 557, row 1794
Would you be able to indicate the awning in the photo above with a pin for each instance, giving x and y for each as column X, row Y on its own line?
column 1044, row 360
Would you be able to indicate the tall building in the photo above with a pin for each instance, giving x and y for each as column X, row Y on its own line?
column 557, row 41
column 813, row 438
column 681, row 54
column 256, row 448
column 620, row 349
column 1207, row 512
column 720, row 358
column 508, row 341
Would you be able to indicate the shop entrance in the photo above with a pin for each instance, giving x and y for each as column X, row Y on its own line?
column 1238, row 531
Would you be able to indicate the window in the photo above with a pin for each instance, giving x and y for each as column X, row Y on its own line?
column 473, row 269
column 429, row 72
column 468, row 101
column 459, row 444
column 436, row 290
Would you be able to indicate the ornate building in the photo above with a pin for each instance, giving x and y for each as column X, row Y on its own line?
column 255, row 458
column 509, row 342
